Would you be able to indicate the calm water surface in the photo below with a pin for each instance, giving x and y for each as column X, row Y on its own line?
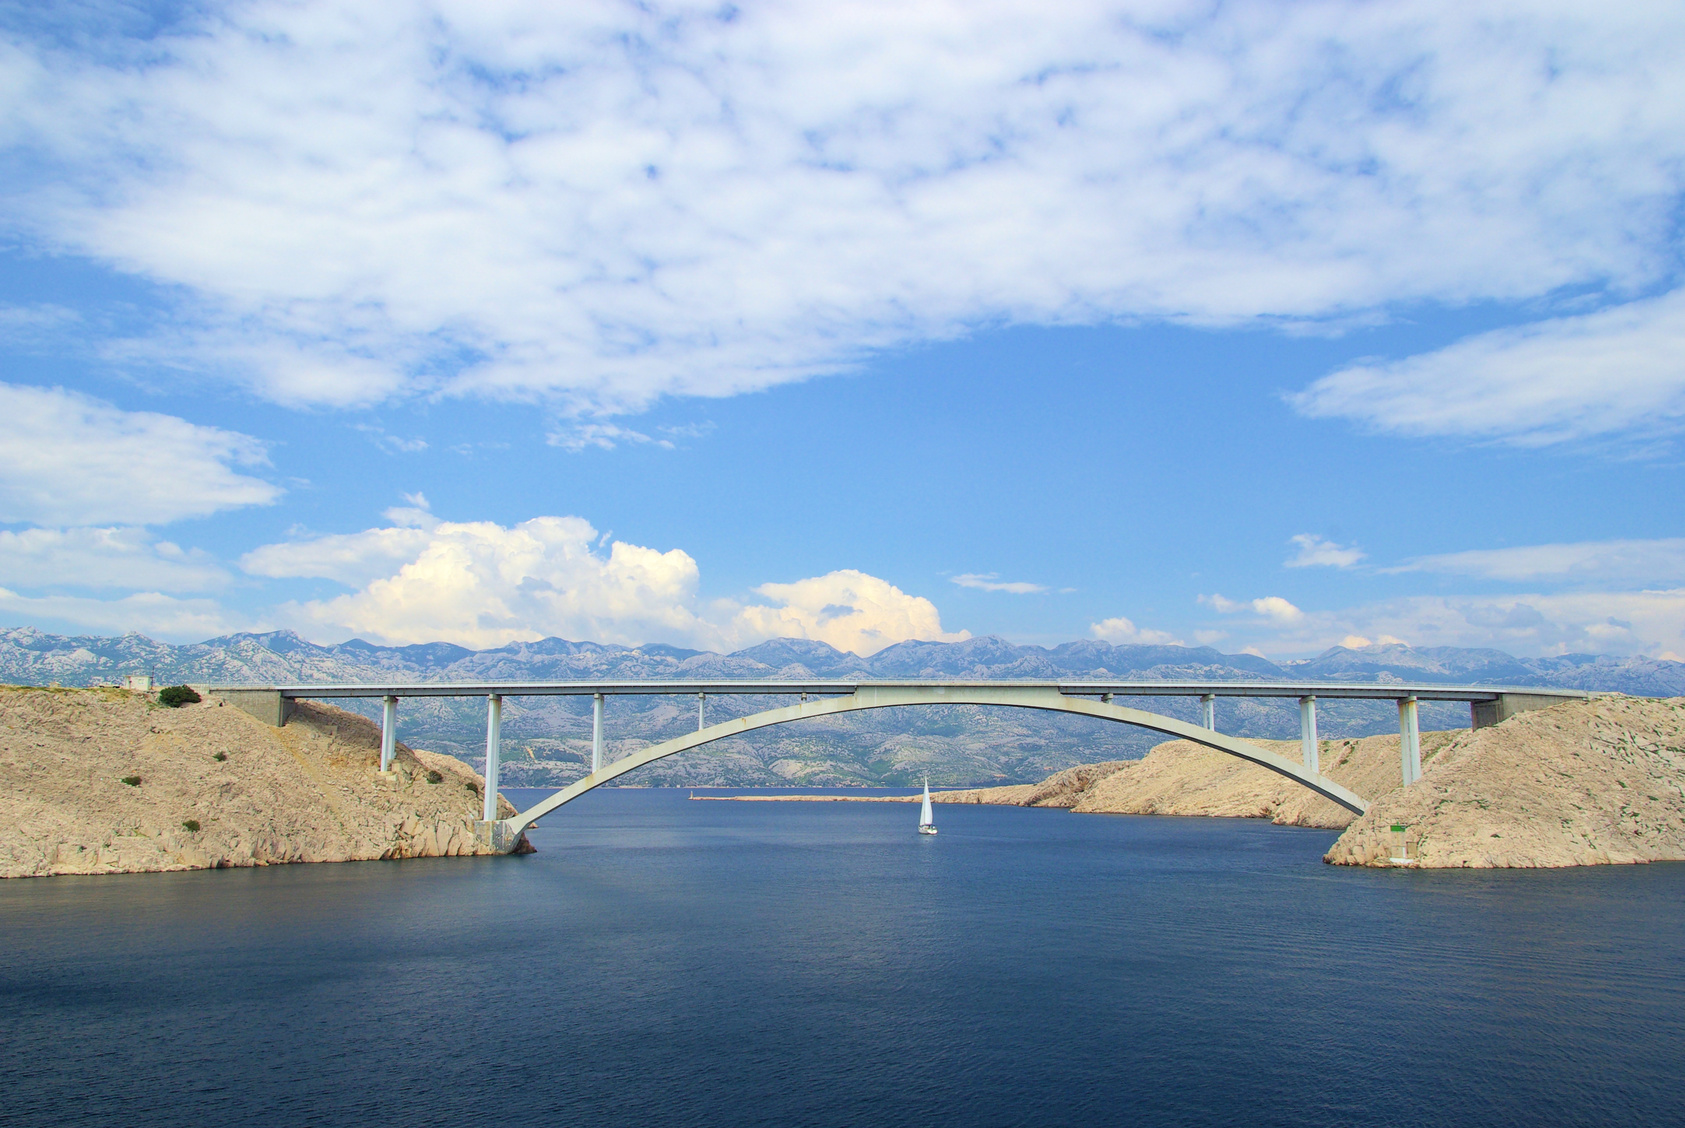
column 664, row 962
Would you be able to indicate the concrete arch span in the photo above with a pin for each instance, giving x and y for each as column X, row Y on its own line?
column 884, row 697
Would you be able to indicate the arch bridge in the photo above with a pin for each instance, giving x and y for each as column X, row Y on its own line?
column 1487, row 704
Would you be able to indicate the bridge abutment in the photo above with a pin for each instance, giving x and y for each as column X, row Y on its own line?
column 1483, row 714
column 267, row 705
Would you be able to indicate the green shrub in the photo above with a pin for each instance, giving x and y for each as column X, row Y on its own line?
column 176, row 696
column 220, row 757
column 435, row 777
column 132, row 781
column 191, row 826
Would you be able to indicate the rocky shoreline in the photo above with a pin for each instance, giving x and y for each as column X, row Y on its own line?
column 1592, row 782
column 104, row 781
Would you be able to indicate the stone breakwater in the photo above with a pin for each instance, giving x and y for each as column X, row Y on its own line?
column 100, row 781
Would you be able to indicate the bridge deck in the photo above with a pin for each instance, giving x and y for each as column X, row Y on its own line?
column 1386, row 691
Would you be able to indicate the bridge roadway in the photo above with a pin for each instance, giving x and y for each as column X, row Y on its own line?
column 1488, row 705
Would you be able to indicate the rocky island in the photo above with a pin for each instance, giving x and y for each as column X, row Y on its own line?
column 100, row 781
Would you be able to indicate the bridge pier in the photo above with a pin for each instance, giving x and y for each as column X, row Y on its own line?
column 494, row 735
column 1307, row 734
column 388, row 732
column 1409, row 740
column 701, row 700
column 1208, row 712
column 596, row 733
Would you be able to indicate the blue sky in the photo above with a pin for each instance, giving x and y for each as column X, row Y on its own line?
column 1266, row 326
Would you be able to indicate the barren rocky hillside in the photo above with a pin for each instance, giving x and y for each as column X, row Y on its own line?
column 1582, row 783
column 105, row 781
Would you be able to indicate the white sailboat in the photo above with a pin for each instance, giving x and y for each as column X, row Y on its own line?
column 927, row 819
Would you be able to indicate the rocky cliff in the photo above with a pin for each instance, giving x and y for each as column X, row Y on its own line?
column 96, row 781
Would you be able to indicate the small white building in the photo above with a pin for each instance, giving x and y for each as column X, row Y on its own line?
column 138, row 683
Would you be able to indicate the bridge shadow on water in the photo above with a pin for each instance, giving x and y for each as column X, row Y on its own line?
column 667, row 962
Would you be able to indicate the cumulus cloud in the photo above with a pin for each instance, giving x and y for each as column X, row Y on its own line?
column 602, row 203
column 121, row 558
column 1621, row 369
column 1314, row 552
column 69, row 459
column 848, row 609
column 1630, row 561
column 1120, row 630
column 991, row 581
column 482, row 584
column 1272, row 607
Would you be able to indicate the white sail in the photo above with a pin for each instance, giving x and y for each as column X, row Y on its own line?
column 926, row 816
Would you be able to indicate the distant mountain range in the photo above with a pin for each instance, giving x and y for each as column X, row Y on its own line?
column 550, row 737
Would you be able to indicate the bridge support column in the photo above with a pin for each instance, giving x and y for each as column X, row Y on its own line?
column 1409, row 741
column 388, row 732
column 701, row 700
column 494, row 737
column 1307, row 734
column 1208, row 712
column 596, row 733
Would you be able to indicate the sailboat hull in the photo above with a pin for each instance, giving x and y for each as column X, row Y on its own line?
column 927, row 830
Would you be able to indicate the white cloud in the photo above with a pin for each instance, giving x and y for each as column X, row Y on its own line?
column 1617, row 370
column 1120, row 630
column 354, row 559
column 151, row 613
column 68, row 459
column 1317, row 552
column 576, row 437
column 848, row 609
column 991, row 581
column 605, row 202
column 1632, row 561
column 1648, row 622
column 124, row 558
column 482, row 584
column 1272, row 607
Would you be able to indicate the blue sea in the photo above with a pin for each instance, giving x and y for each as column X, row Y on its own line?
column 666, row 962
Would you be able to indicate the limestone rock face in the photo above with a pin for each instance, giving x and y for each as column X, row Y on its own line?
column 1581, row 783
column 308, row 792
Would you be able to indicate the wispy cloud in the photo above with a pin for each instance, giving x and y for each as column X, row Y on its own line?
column 1316, row 552
column 1583, row 622
column 577, row 437
column 1632, row 561
column 1618, row 370
column 991, row 581
column 69, row 459
column 603, row 205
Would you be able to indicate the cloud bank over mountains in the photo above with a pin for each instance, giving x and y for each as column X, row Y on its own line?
column 481, row 584
column 601, row 204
